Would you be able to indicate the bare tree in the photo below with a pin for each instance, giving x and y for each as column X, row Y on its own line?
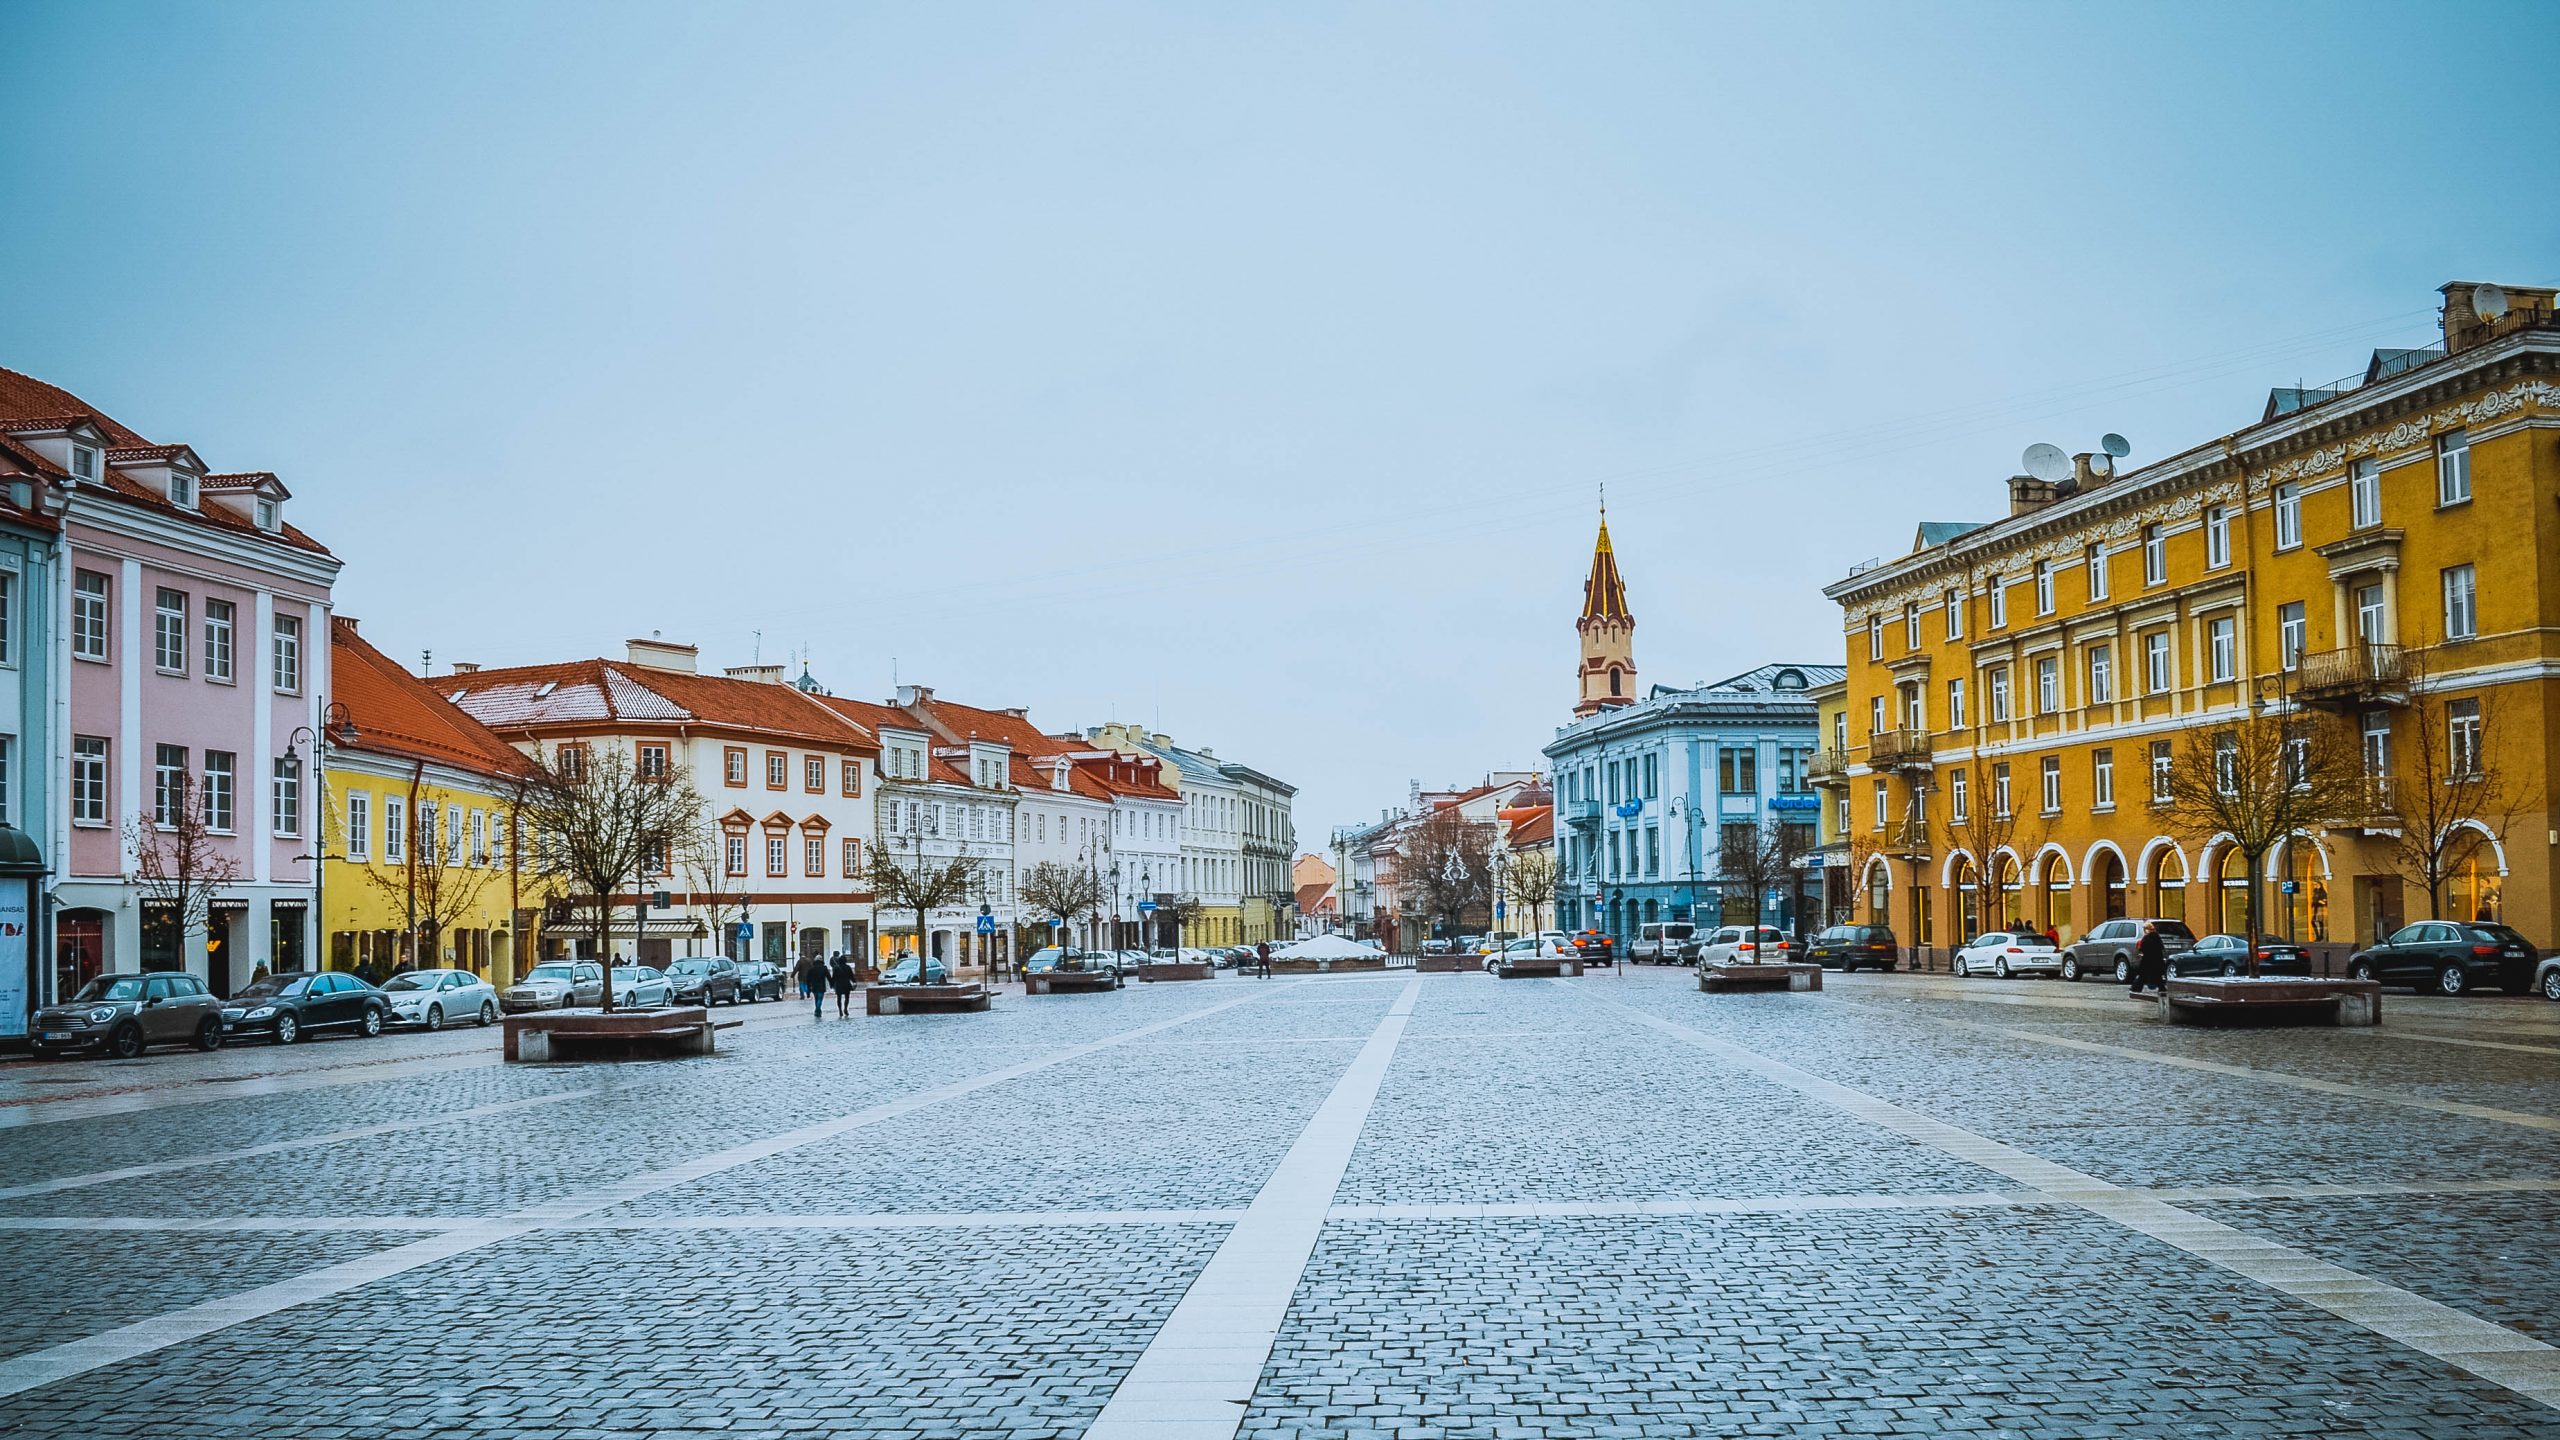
column 433, row 894
column 1447, row 862
column 1184, row 912
column 606, row 824
column 2454, row 802
column 179, row 862
column 703, row 865
column 921, row 883
column 1760, row 858
column 1065, row 891
column 2259, row 778
column 1530, row 878
column 1992, row 823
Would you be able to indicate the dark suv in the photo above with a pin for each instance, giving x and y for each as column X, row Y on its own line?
column 2112, row 948
column 703, row 980
column 290, row 1004
column 2450, row 957
column 128, row 1014
column 1852, row 947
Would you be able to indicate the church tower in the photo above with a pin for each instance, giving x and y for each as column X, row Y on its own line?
column 1608, row 632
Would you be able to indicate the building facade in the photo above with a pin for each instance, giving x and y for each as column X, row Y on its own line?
column 2381, row 551
column 30, row 668
column 945, row 793
column 1267, row 843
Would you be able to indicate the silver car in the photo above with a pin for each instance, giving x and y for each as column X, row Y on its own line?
column 639, row 985
column 434, row 998
column 555, row 985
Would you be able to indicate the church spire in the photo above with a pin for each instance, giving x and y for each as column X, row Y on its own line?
column 1608, row 629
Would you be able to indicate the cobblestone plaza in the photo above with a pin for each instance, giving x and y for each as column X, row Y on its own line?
column 1442, row 1205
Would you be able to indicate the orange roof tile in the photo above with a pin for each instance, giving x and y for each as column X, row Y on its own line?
column 583, row 694
column 395, row 713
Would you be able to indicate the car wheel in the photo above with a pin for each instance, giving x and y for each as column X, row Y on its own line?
column 288, row 1029
column 1963, row 970
column 2452, row 980
column 372, row 1023
column 209, row 1034
column 126, row 1041
column 488, row 1013
column 2551, row 985
column 2124, row 971
column 2071, row 967
column 2000, row 967
column 435, row 1017
column 2359, row 969
column 2229, row 970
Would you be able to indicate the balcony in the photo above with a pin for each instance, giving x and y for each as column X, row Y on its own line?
column 1898, row 750
column 1828, row 768
column 1582, row 812
column 2357, row 675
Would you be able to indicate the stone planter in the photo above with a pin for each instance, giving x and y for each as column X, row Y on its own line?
column 1174, row 970
column 1715, row 978
column 925, row 999
column 559, row 1035
column 1069, row 982
column 2271, row 1000
column 1539, row 968
column 1447, row 964
column 1327, row 967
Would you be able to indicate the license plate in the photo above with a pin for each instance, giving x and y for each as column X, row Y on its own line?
column 57, row 1034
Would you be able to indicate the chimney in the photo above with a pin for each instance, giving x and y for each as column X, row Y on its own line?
column 2463, row 325
column 2084, row 470
column 656, row 654
column 760, row 674
column 466, row 667
column 2028, row 493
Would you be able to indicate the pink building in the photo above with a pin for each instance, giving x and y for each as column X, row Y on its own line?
column 193, row 647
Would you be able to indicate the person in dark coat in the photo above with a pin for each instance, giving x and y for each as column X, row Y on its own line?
column 842, row 974
column 1262, row 957
column 812, row 976
column 2151, row 961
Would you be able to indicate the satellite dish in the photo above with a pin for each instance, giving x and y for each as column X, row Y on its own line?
column 2488, row 301
column 2102, row 464
column 2046, row 462
column 2115, row 444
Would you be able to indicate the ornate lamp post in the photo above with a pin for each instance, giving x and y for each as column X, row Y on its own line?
column 335, row 723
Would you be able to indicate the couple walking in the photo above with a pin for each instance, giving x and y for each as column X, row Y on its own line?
column 816, row 976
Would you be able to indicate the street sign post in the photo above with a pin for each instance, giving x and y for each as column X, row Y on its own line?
column 986, row 924
column 1146, row 907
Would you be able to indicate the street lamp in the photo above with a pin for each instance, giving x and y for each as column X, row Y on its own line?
column 337, row 722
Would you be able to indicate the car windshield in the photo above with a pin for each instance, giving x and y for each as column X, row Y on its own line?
column 272, row 986
column 415, row 980
column 111, row 987
column 625, row 975
column 690, row 967
column 550, row 972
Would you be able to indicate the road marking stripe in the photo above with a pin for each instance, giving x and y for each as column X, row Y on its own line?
column 56, row 1363
column 1198, row 1373
column 2493, row 1352
column 278, row 1147
column 52, row 1112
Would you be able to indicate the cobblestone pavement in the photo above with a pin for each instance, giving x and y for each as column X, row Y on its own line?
column 1609, row 1206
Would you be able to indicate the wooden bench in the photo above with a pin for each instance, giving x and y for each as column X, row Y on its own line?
column 1715, row 978
column 617, row 1035
column 1174, row 970
column 1068, row 982
column 925, row 999
column 1543, row 967
column 2270, row 1000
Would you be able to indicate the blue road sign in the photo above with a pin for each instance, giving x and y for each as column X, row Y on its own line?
column 986, row 924
column 746, row 931
column 1146, row 907
column 1497, row 909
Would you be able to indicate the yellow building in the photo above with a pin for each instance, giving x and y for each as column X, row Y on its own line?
column 421, row 865
column 2385, row 550
column 1829, row 770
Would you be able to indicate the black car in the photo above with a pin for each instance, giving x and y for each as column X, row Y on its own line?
column 2450, row 957
column 2229, row 955
column 759, row 980
column 1854, row 947
column 290, row 1004
column 703, row 980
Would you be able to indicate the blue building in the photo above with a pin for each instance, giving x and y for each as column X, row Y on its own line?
column 30, row 827
column 1649, row 789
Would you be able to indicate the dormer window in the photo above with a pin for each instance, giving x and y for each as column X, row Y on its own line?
column 266, row 514
column 182, row 489
column 84, row 462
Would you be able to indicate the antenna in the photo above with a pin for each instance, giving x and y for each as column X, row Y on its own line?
column 758, row 656
column 2489, row 302
column 2115, row 445
column 2046, row 462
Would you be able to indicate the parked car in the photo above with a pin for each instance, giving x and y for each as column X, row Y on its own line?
column 1746, row 945
column 2229, row 955
column 2009, row 952
column 2547, row 978
column 1855, row 947
column 125, row 1015
column 2112, row 947
column 1437, row 946
column 429, row 998
column 1659, row 942
column 1057, row 957
column 639, row 985
column 555, row 985
column 1596, row 946
column 290, row 1004
column 2450, row 957
column 703, row 980
column 759, row 980
column 904, row 973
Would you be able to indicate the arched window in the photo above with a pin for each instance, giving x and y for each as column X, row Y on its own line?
column 1613, row 680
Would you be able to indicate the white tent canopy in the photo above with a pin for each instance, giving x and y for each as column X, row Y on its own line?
column 1324, row 947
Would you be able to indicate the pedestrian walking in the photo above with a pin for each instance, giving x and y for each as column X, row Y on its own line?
column 812, row 975
column 842, row 974
column 2053, row 936
column 2151, row 960
column 1262, row 957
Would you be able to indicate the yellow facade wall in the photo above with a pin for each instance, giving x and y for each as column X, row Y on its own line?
column 377, row 910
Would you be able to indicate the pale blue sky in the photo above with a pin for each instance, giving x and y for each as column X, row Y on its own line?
column 1246, row 368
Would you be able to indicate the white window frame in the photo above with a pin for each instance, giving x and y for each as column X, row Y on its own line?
column 2096, row 560
column 2102, row 778
column 286, row 785
column 1999, row 694
column 2293, row 634
column 2051, row 784
column 2217, row 537
column 2461, row 603
column 221, row 629
column 2048, row 684
column 90, row 779
column 2289, row 515
column 92, row 613
column 2102, row 674
column 2155, row 556
column 359, row 825
column 2159, row 664
column 1954, row 601
column 2453, row 468
column 2364, row 494
column 2044, row 587
column 1999, row 603
column 169, row 637
column 286, row 673
column 2222, row 642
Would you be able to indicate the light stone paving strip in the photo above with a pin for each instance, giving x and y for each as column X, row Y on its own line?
column 2493, row 1352
column 278, row 1147
column 1198, row 1374
column 2525, row 1118
column 206, row 1092
column 77, row 1357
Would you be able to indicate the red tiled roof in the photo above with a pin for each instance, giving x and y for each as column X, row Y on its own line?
column 589, row 693
column 395, row 713
column 958, row 723
column 872, row 718
column 1536, row 828
column 25, row 399
column 1312, row 898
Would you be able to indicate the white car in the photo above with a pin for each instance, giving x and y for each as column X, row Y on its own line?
column 2005, row 953
column 434, row 998
column 640, row 985
column 1746, row 945
column 1545, row 945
